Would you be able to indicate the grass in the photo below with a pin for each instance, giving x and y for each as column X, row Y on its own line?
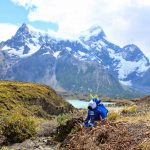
column 131, row 115
column 23, row 105
column 30, row 99
column 134, row 119
column 131, row 109
column 113, row 115
column 145, row 145
column 63, row 118
column 17, row 128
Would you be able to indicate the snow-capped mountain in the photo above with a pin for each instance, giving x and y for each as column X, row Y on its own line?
column 89, row 64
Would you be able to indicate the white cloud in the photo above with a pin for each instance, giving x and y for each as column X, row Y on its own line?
column 7, row 30
column 124, row 21
column 142, row 3
column 74, row 16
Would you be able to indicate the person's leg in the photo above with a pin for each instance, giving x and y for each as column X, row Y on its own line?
column 86, row 124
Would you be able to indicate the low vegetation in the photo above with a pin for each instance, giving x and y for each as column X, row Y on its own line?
column 144, row 145
column 23, row 104
column 113, row 115
column 135, row 118
column 30, row 99
column 63, row 118
column 131, row 109
column 17, row 128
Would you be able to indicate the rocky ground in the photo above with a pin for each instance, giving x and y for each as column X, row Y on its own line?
column 40, row 143
column 116, row 136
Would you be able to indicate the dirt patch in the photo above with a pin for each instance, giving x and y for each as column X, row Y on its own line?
column 116, row 136
column 63, row 131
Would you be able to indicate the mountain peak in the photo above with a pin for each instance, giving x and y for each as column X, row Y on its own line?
column 23, row 29
column 94, row 31
column 24, row 25
column 133, row 53
column 132, row 48
column 131, row 45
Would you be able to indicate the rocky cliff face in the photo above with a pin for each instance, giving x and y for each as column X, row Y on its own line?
column 89, row 64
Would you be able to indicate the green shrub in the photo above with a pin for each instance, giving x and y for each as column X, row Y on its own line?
column 63, row 118
column 131, row 109
column 112, row 115
column 17, row 128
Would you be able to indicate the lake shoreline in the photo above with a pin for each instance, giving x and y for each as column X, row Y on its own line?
column 82, row 104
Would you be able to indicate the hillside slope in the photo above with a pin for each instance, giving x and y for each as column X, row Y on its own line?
column 30, row 99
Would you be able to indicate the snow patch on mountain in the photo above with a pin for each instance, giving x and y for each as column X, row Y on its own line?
column 125, row 68
column 47, row 53
column 69, row 49
column 84, row 45
column 20, row 53
column 127, row 83
column 6, row 48
column 93, row 31
column 82, row 53
column 56, row 54
column 98, row 45
column 12, row 51
column 33, row 48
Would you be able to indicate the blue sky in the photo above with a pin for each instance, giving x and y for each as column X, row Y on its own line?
column 124, row 22
column 13, row 14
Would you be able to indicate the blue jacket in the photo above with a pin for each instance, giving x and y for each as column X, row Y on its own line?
column 96, row 114
column 103, row 110
column 93, row 115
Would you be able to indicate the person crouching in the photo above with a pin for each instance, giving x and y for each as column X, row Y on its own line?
column 95, row 113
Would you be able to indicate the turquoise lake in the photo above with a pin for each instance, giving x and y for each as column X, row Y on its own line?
column 83, row 104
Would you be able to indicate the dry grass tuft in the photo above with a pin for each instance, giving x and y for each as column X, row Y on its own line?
column 113, row 115
column 136, row 118
column 130, row 109
column 145, row 145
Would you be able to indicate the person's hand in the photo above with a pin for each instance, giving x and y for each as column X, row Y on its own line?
column 90, row 125
column 83, row 124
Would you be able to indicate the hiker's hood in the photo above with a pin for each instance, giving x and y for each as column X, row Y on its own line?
column 92, row 104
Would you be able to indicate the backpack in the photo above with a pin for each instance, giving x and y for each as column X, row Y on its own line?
column 103, row 110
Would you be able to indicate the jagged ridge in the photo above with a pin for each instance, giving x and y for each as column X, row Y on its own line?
column 37, row 57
